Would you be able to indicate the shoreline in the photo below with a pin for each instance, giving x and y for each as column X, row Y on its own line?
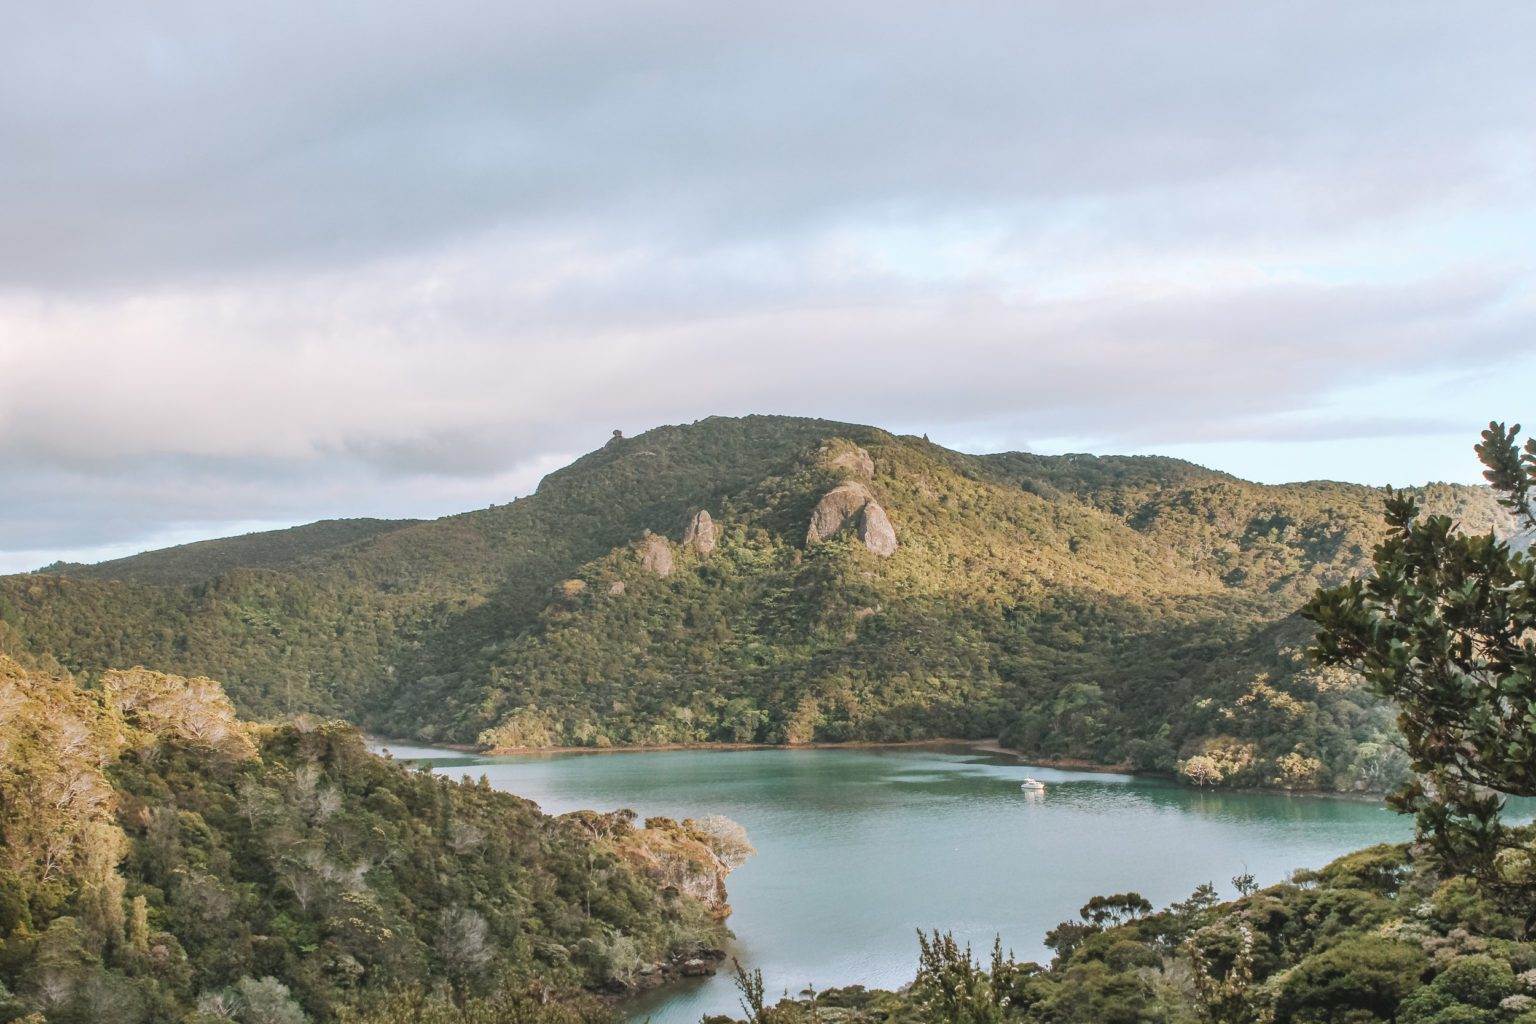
column 937, row 743
column 987, row 746
column 651, row 748
column 934, row 743
column 1070, row 764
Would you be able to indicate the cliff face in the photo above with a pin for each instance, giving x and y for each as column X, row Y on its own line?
column 686, row 859
column 876, row 531
column 692, row 857
column 836, row 509
column 850, row 459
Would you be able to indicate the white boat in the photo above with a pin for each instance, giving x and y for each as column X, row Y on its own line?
column 1032, row 785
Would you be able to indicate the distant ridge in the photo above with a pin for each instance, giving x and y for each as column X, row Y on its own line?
column 205, row 559
column 1126, row 610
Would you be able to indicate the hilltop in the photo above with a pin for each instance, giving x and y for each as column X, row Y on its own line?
column 784, row 580
column 206, row 559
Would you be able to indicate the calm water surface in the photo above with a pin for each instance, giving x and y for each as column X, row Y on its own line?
column 857, row 849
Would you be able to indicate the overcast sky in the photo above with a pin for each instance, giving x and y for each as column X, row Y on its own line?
column 263, row 263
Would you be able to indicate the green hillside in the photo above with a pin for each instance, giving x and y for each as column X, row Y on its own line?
column 1112, row 609
column 161, row 861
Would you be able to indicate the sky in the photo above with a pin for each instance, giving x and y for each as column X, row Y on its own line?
column 267, row 263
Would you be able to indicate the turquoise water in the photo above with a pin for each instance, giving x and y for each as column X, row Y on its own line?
column 857, row 849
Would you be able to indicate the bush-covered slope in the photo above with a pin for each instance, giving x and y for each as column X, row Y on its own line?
column 161, row 861
column 1373, row 937
column 1112, row 609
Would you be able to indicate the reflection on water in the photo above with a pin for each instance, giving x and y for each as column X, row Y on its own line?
column 858, row 848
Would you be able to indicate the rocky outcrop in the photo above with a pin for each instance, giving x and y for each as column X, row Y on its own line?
column 854, row 461
column 699, row 535
column 852, row 504
column 835, row 509
column 656, row 554
column 876, row 531
column 616, row 588
column 691, row 856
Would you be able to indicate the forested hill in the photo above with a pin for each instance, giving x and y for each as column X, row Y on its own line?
column 162, row 861
column 841, row 583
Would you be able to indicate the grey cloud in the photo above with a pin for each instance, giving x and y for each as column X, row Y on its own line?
column 197, row 138
column 288, row 260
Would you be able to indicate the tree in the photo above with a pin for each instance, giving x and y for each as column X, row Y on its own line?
column 952, row 987
column 267, row 1002
column 1202, row 770
column 750, row 985
column 463, row 941
column 1365, row 973
column 727, row 838
column 1103, row 911
column 1230, row 997
column 1098, row 913
column 249, row 1001
column 1443, row 626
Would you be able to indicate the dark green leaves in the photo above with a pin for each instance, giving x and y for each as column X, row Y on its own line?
column 1510, row 469
column 1442, row 627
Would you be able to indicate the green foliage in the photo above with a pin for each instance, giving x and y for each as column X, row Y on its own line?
column 1361, row 972
column 1477, row 981
column 1443, row 626
column 515, row 1001
column 1354, row 942
column 952, row 986
column 163, row 862
column 205, row 560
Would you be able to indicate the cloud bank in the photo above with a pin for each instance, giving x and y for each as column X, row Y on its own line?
column 265, row 263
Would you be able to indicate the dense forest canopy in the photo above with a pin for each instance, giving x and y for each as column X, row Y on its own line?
column 1127, row 610
column 161, row 861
